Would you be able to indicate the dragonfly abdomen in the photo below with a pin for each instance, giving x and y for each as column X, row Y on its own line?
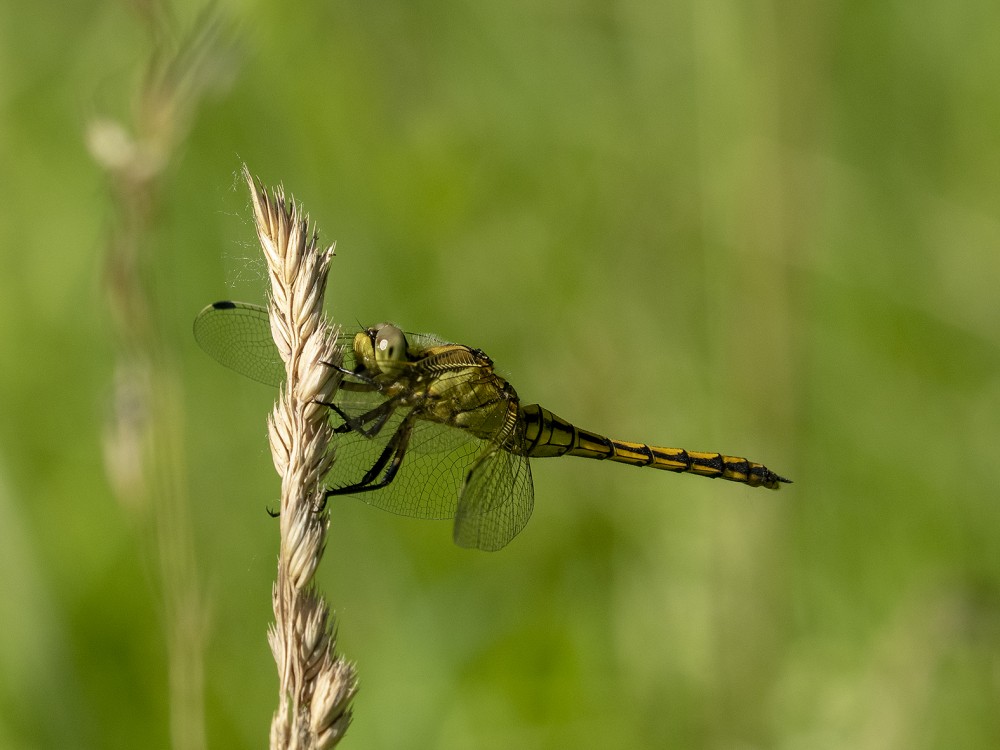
column 550, row 435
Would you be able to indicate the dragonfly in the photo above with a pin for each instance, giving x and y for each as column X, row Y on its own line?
column 428, row 429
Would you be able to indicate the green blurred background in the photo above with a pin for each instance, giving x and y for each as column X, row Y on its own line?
column 767, row 228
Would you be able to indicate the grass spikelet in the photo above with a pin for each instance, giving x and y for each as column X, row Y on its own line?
column 316, row 685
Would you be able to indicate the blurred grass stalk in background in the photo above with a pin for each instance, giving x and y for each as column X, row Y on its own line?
column 143, row 437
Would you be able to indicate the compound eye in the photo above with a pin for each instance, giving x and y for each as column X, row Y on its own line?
column 390, row 348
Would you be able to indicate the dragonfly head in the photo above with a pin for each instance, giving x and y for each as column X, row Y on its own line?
column 381, row 349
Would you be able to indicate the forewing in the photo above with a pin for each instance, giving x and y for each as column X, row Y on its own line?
column 238, row 335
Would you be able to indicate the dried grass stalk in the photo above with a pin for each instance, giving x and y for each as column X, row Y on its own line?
column 316, row 686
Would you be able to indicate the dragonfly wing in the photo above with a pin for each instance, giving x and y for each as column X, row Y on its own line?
column 496, row 501
column 238, row 335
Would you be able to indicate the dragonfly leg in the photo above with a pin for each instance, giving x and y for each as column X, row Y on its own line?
column 377, row 416
column 360, row 379
column 377, row 422
column 394, row 449
column 390, row 460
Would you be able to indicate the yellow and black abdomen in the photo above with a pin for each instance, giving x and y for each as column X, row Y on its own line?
column 548, row 435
